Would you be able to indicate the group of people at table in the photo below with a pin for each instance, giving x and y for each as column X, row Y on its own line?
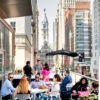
column 58, row 87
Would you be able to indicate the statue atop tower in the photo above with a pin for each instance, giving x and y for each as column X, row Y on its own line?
column 45, row 27
column 45, row 47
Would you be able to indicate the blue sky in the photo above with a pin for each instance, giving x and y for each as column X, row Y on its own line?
column 51, row 10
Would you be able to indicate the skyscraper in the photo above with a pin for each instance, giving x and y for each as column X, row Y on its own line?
column 63, row 5
column 95, row 12
column 78, row 33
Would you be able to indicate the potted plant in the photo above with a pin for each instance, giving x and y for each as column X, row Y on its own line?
column 93, row 97
column 84, row 97
column 89, row 97
column 65, row 66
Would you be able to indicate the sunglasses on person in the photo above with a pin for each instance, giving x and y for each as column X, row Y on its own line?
column 11, row 77
column 36, row 77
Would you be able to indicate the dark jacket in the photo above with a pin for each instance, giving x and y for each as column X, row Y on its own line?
column 95, row 92
column 27, row 70
column 79, row 87
column 67, row 80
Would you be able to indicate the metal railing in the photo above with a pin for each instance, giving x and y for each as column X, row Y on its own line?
column 76, row 77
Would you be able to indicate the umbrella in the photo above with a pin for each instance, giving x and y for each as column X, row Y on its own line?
column 62, row 52
column 73, row 54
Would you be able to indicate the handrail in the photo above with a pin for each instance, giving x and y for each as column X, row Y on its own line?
column 85, row 76
column 76, row 77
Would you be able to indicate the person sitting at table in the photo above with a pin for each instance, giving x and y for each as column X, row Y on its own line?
column 67, row 80
column 23, row 86
column 94, row 88
column 40, row 75
column 7, row 88
column 55, row 90
column 45, row 72
column 37, row 83
column 82, row 85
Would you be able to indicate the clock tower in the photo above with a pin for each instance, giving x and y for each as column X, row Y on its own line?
column 45, row 28
column 45, row 47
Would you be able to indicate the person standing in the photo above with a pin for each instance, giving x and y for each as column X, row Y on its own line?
column 28, row 71
column 7, row 88
column 38, row 67
column 45, row 72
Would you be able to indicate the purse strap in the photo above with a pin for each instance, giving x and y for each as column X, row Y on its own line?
column 82, row 88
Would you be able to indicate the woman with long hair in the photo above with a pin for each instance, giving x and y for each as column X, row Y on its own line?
column 56, row 87
column 46, row 72
column 23, row 86
column 82, row 85
column 55, row 90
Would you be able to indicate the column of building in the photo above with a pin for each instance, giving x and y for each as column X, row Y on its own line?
column 35, row 31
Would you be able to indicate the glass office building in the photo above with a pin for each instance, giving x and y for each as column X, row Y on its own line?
column 83, row 34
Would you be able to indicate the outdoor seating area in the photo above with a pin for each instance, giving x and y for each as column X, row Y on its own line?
column 46, row 93
column 44, row 83
column 49, row 49
column 17, row 78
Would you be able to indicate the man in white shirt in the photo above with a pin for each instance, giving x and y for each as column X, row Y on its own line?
column 7, row 89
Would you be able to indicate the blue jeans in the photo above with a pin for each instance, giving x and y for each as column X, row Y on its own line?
column 42, row 96
column 29, row 79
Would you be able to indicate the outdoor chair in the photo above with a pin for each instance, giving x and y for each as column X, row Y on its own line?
column 66, row 92
column 55, row 93
column 11, row 97
column 24, row 97
column 74, row 97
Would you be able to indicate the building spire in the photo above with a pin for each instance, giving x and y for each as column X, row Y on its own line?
column 45, row 27
column 44, row 10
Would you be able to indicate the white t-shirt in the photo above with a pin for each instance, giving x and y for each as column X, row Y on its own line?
column 55, row 89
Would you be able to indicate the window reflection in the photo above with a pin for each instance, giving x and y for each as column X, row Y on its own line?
column 6, row 56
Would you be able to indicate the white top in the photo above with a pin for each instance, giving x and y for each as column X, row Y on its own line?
column 38, row 90
column 55, row 90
